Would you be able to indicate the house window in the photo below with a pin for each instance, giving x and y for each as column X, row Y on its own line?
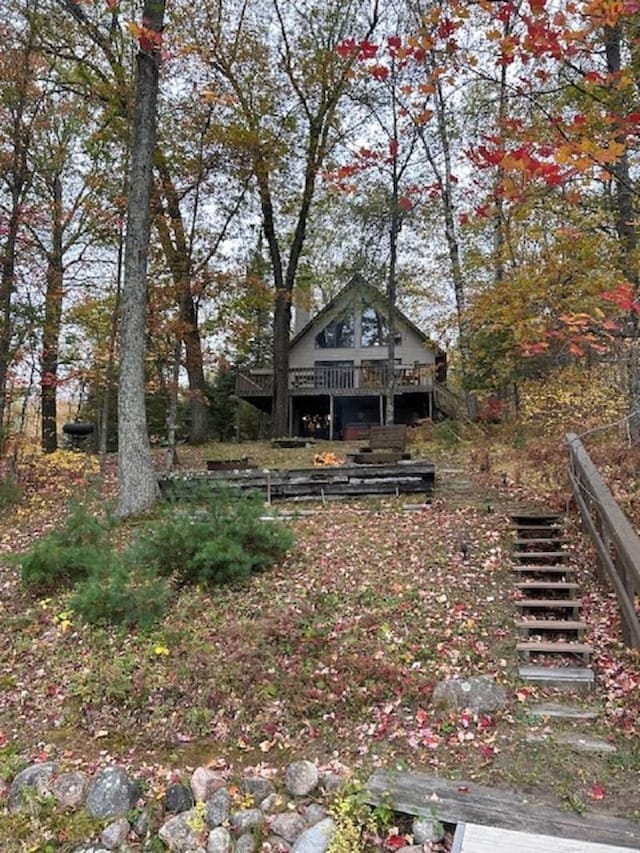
column 339, row 333
column 374, row 329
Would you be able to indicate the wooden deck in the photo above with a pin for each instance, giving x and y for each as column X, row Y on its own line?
column 472, row 838
column 457, row 802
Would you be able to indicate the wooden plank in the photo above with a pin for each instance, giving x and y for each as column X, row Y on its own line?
column 547, row 556
column 550, row 625
column 415, row 793
column 489, row 839
column 569, row 678
column 558, row 586
column 542, row 568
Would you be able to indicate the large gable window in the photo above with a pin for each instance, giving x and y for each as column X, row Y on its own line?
column 374, row 329
column 339, row 333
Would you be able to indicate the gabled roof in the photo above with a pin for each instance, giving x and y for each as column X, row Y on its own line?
column 375, row 298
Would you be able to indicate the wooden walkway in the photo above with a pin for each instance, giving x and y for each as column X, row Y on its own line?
column 419, row 794
column 472, row 838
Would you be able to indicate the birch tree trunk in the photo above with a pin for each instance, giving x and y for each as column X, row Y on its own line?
column 138, row 485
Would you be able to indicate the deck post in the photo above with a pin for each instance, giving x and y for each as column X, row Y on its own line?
column 290, row 415
column 331, row 415
column 381, row 401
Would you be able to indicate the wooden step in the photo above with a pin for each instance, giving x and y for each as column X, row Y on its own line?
column 564, row 678
column 529, row 647
column 538, row 518
column 551, row 625
column 543, row 568
column 555, row 604
column 562, row 711
column 543, row 556
column 550, row 529
column 526, row 586
column 524, row 544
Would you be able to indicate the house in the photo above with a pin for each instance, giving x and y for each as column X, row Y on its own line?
column 338, row 365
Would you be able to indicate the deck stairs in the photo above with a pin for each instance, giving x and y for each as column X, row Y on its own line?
column 551, row 643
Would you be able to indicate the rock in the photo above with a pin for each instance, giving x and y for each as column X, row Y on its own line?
column 35, row 780
column 273, row 844
column 426, row 830
column 114, row 835
column 219, row 841
column 178, row 798
column 246, row 844
column 273, row 803
column 317, row 838
column 257, row 787
column 182, row 833
column 141, row 823
column 288, row 825
column 246, row 820
column 218, row 808
column 314, row 813
column 205, row 782
column 112, row 794
column 479, row 693
column 70, row 789
column 331, row 782
column 301, row 778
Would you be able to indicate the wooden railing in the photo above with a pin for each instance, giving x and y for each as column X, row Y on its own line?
column 449, row 403
column 338, row 377
column 616, row 541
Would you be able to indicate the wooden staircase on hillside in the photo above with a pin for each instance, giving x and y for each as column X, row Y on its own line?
column 550, row 645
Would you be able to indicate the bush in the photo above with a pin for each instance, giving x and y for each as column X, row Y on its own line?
column 121, row 594
column 66, row 554
column 215, row 538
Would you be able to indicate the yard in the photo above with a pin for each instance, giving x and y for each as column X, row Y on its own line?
column 331, row 656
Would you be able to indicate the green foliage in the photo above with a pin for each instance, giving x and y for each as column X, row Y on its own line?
column 66, row 554
column 223, row 406
column 125, row 595
column 353, row 817
column 199, row 538
column 215, row 538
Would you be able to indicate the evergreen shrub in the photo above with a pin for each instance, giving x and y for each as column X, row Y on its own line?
column 212, row 537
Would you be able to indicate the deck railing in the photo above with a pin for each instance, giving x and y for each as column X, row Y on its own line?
column 616, row 541
column 338, row 377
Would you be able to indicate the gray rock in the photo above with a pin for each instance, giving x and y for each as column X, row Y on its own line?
column 182, row 833
column 205, row 782
column 258, row 787
column 112, row 794
column 301, row 778
column 314, row 813
column 246, row 844
column 218, row 808
column 35, row 781
column 219, row 841
column 331, row 782
column 425, row 830
column 178, row 798
column 70, row 789
column 274, row 844
column 479, row 693
column 141, row 823
column 114, row 835
column 273, row 803
column 247, row 820
column 317, row 838
column 288, row 825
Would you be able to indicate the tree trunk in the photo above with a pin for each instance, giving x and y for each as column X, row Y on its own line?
column 51, row 327
column 177, row 252
column 138, row 485
column 626, row 228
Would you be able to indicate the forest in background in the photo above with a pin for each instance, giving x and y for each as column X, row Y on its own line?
column 475, row 160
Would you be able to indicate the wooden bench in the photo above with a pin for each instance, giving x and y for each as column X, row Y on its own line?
column 387, row 444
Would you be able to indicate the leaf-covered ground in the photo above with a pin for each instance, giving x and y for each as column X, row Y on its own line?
column 333, row 655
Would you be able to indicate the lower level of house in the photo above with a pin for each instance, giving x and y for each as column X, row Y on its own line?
column 344, row 408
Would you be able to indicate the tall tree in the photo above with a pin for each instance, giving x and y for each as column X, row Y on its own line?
column 283, row 95
column 138, row 486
